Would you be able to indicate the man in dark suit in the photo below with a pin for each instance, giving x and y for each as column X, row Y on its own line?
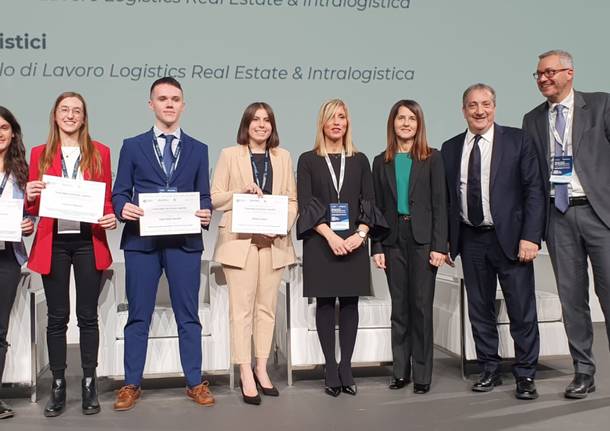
column 571, row 131
column 163, row 159
column 496, row 217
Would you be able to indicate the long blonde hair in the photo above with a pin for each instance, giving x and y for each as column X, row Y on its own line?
column 327, row 111
column 91, row 160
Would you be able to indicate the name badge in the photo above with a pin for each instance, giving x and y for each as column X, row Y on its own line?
column 168, row 189
column 561, row 172
column 339, row 216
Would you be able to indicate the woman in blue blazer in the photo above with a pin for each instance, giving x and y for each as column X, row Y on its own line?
column 13, row 177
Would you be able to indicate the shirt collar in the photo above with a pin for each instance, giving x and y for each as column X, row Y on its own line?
column 487, row 136
column 158, row 132
column 568, row 102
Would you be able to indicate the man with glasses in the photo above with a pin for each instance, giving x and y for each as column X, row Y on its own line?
column 571, row 130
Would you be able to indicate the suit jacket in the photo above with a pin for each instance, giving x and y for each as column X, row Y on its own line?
column 590, row 147
column 427, row 201
column 139, row 171
column 516, row 192
column 232, row 173
column 40, row 255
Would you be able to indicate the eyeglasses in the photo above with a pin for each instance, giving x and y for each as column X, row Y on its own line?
column 549, row 73
column 64, row 110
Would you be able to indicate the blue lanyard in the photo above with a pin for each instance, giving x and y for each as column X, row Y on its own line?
column 255, row 169
column 3, row 185
column 64, row 170
column 168, row 176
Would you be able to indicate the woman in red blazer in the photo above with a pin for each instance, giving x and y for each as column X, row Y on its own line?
column 59, row 244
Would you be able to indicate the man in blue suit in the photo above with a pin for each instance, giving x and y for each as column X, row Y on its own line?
column 496, row 221
column 163, row 159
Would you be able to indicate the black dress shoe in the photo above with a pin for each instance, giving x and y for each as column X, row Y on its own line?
column 420, row 388
column 526, row 389
column 5, row 410
column 91, row 405
column 398, row 383
column 270, row 392
column 349, row 389
column 57, row 403
column 255, row 400
column 580, row 386
column 333, row 391
column 487, row 381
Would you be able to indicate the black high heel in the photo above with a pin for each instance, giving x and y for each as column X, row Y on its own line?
column 270, row 392
column 255, row 400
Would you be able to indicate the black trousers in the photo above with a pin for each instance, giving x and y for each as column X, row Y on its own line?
column 10, row 272
column 72, row 250
column 411, row 281
column 485, row 263
column 348, row 328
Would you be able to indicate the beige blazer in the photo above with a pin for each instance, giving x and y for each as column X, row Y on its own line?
column 232, row 173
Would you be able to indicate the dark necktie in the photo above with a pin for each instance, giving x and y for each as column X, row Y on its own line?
column 562, row 201
column 473, row 191
column 168, row 155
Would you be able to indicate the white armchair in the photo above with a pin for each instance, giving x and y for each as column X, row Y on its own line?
column 296, row 335
column 27, row 357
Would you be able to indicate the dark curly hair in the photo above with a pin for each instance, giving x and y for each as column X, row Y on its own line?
column 14, row 160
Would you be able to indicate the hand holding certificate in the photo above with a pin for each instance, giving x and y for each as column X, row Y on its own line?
column 169, row 213
column 266, row 214
column 68, row 199
column 11, row 214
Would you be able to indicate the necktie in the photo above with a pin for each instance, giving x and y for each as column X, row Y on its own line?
column 168, row 155
column 473, row 192
column 561, row 190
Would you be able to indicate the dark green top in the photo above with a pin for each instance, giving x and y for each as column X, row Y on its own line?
column 402, row 168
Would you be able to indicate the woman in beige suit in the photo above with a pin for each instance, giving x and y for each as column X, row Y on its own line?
column 253, row 264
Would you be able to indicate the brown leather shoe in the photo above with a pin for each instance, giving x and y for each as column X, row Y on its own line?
column 201, row 394
column 126, row 397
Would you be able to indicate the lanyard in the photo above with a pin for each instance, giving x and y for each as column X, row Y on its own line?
column 168, row 175
column 3, row 185
column 339, row 186
column 563, row 143
column 255, row 169
column 64, row 170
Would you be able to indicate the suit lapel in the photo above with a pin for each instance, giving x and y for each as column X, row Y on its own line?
column 146, row 147
column 277, row 172
column 186, row 143
column 390, row 173
column 414, row 175
column 458, row 145
column 497, row 152
column 579, row 122
column 245, row 166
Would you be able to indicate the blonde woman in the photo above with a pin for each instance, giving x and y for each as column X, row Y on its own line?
column 337, row 215
column 253, row 264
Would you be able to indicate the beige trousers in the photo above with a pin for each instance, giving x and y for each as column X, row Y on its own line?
column 252, row 300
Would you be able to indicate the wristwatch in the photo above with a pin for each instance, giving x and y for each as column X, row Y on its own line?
column 362, row 234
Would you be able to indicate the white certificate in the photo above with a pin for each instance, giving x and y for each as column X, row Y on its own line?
column 11, row 214
column 169, row 213
column 254, row 214
column 68, row 199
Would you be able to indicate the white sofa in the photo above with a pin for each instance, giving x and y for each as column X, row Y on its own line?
column 27, row 356
column 452, row 329
column 296, row 335
column 163, row 358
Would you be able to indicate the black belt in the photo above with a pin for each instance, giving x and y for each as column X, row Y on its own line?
column 404, row 217
column 575, row 201
column 482, row 228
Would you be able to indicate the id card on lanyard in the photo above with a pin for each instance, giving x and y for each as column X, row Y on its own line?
column 168, row 175
column 261, row 185
column 562, row 165
column 339, row 212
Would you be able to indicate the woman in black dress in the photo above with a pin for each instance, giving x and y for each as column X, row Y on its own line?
column 337, row 214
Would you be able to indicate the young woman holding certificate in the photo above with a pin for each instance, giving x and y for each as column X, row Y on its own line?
column 410, row 189
column 13, row 177
column 60, row 244
column 336, row 215
column 253, row 263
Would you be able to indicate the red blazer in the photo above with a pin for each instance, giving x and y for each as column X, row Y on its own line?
column 40, row 255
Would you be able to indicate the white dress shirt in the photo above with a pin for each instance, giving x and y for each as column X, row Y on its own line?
column 161, row 140
column 486, row 146
column 70, row 156
column 574, row 186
